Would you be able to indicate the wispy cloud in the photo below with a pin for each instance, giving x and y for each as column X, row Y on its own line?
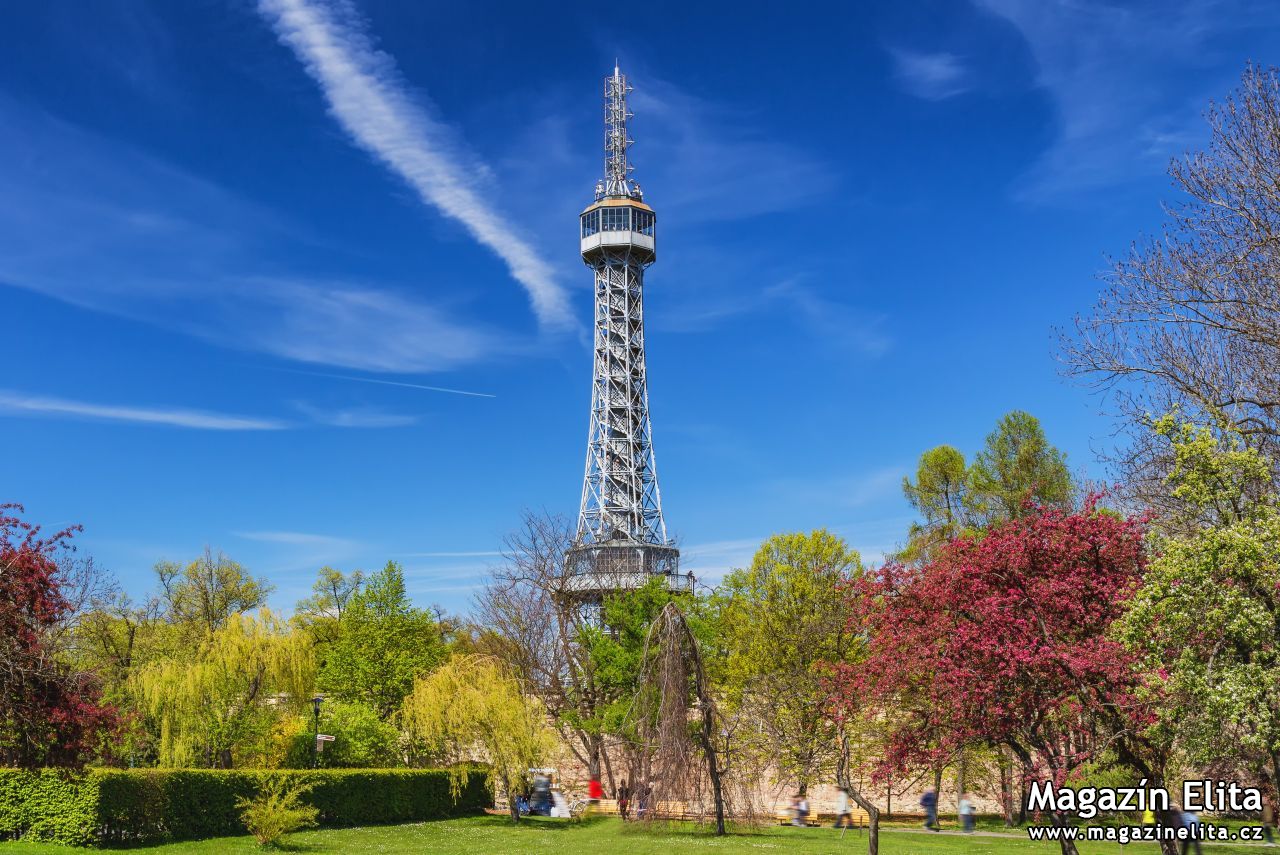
column 1128, row 81
column 709, row 562
column 932, row 76
column 354, row 418
column 368, row 98
column 16, row 403
column 101, row 225
column 20, row 404
column 296, row 538
column 831, row 322
column 709, row 160
column 392, row 383
column 481, row 554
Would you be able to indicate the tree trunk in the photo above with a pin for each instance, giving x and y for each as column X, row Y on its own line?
column 608, row 771
column 706, row 734
column 873, row 821
column 1006, row 786
column 1068, row 846
column 512, row 807
column 873, row 812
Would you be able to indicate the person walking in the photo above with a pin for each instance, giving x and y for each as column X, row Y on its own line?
column 624, row 800
column 802, row 810
column 844, row 817
column 1268, row 820
column 929, row 801
column 967, row 810
column 1191, row 822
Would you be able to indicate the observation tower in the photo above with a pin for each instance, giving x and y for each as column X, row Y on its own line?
column 621, row 541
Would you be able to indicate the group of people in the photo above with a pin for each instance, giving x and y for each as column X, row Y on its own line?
column 800, row 809
column 625, row 797
column 543, row 799
column 967, row 809
column 641, row 797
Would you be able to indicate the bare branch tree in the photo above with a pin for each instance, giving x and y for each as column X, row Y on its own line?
column 536, row 628
column 1191, row 320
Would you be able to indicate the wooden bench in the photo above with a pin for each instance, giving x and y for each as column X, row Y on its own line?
column 857, row 816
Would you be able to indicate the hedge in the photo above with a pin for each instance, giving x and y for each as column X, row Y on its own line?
column 110, row 806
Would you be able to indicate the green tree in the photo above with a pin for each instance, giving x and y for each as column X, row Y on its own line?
column 1207, row 613
column 615, row 654
column 381, row 645
column 215, row 707
column 330, row 595
column 204, row 594
column 1016, row 465
column 472, row 710
column 941, row 493
column 783, row 625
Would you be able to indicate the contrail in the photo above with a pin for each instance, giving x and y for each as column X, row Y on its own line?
column 387, row 383
column 369, row 100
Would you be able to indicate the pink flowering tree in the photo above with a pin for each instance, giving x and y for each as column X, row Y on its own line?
column 1004, row 639
column 50, row 714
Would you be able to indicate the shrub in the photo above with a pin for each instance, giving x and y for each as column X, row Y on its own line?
column 104, row 806
column 276, row 810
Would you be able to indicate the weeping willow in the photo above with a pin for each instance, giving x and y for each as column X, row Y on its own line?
column 206, row 707
column 472, row 709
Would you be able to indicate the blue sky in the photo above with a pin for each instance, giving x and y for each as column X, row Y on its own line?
column 237, row 239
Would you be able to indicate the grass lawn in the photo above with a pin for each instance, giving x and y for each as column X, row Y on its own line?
column 493, row 834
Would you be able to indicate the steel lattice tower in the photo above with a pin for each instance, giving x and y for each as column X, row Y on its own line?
column 621, row 540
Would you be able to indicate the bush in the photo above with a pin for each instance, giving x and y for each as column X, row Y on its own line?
column 277, row 810
column 363, row 740
column 104, row 806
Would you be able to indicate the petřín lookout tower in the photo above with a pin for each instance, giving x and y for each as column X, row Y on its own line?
column 621, row 540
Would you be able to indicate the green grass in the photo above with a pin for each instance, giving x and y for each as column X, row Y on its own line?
column 490, row 834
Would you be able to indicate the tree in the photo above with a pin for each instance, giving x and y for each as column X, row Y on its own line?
column 382, row 643
column 941, row 493
column 1191, row 319
column 676, row 718
column 216, row 707
column 204, row 594
column 331, row 594
column 1017, row 466
column 1005, row 640
column 1205, row 619
column 50, row 713
column 538, row 633
column 784, row 624
column 472, row 709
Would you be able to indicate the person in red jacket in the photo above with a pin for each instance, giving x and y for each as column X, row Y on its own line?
column 595, row 792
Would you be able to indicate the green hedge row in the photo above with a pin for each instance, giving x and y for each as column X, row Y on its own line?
column 107, row 806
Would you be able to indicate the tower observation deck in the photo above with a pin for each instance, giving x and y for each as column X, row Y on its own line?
column 621, row 540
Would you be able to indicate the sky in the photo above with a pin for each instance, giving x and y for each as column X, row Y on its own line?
column 298, row 280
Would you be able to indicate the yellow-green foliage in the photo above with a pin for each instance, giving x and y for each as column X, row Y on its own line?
column 223, row 698
column 783, row 623
column 472, row 709
column 277, row 810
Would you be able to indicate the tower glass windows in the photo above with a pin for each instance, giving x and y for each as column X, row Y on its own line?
column 590, row 223
column 642, row 222
column 615, row 219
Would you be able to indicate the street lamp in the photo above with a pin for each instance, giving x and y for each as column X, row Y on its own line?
column 315, row 743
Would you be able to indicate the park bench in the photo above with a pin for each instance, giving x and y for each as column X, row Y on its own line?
column 857, row 816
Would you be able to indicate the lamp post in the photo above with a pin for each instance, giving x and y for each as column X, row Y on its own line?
column 315, row 743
